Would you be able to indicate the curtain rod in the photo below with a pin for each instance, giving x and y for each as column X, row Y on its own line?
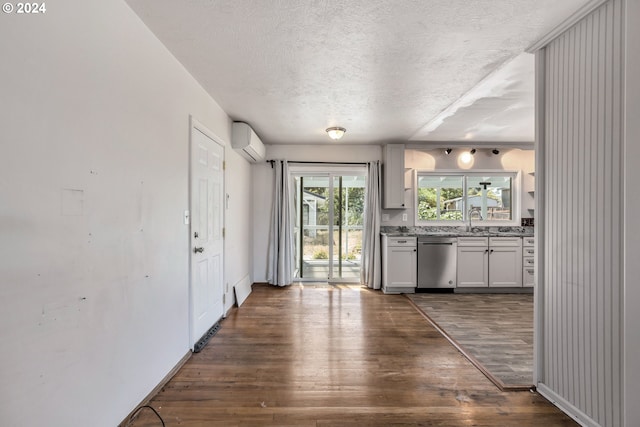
column 321, row 163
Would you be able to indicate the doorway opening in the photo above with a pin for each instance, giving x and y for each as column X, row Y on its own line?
column 328, row 228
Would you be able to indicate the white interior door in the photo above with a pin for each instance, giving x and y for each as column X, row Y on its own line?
column 206, row 232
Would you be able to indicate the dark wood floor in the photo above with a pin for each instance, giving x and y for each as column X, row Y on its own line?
column 319, row 356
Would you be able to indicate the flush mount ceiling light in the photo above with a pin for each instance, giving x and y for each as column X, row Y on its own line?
column 336, row 132
column 447, row 151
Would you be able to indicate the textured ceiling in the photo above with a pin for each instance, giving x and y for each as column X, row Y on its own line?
column 383, row 69
column 498, row 109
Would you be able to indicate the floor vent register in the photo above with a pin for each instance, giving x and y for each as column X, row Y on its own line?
column 206, row 337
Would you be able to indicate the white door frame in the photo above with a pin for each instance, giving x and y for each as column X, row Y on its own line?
column 329, row 171
column 539, row 229
column 195, row 125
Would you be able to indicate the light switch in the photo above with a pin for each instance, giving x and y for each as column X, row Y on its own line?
column 186, row 217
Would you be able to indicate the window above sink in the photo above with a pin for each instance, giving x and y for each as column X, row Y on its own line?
column 491, row 197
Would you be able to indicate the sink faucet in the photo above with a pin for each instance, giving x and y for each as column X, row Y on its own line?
column 471, row 211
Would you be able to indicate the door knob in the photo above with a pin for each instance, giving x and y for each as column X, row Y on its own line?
column 198, row 250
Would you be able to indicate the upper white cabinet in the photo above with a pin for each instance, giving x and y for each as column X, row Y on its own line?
column 393, row 177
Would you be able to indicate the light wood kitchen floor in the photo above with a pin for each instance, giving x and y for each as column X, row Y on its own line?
column 494, row 330
column 339, row 356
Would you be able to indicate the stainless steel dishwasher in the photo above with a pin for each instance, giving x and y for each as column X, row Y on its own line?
column 437, row 262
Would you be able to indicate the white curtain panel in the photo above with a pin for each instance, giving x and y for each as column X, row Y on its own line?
column 280, row 266
column 371, row 264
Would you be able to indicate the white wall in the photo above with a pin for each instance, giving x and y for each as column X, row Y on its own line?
column 631, row 296
column 436, row 159
column 94, row 126
column 237, row 244
column 263, row 187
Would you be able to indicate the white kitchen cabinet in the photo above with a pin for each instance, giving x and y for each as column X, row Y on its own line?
column 489, row 262
column 399, row 265
column 473, row 262
column 527, row 277
column 528, row 263
column 505, row 262
column 393, row 174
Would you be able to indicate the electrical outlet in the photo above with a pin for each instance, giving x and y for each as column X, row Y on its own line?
column 404, row 217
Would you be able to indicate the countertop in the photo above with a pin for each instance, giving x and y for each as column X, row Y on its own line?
column 461, row 234
column 458, row 232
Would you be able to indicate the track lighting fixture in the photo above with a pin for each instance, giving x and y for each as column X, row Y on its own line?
column 495, row 151
column 447, row 151
column 465, row 158
column 473, row 151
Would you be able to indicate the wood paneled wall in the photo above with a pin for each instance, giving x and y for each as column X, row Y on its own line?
column 581, row 278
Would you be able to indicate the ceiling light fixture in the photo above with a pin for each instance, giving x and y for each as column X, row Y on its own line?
column 473, row 151
column 448, row 151
column 465, row 158
column 336, row 132
column 495, row 151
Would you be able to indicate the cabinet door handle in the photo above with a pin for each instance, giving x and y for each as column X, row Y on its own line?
column 491, row 251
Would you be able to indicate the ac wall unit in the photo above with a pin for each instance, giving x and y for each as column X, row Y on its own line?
column 245, row 141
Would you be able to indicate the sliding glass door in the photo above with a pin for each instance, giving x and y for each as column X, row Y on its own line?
column 328, row 230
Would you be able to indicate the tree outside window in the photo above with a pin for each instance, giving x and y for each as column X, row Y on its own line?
column 451, row 197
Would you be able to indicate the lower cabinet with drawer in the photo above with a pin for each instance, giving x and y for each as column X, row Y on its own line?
column 528, row 263
column 399, row 264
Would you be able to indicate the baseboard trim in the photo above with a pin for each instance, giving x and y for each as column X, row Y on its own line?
column 129, row 418
column 526, row 290
column 475, row 362
column 566, row 406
